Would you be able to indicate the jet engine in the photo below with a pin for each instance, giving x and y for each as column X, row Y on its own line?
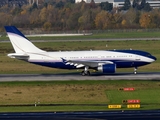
column 107, row 68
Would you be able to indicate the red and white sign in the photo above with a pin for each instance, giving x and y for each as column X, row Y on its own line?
column 133, row 101
column 128, row 89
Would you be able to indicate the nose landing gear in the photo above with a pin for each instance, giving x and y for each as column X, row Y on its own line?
column 135, row 70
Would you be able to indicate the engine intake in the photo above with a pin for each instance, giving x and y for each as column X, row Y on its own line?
column 107, row 68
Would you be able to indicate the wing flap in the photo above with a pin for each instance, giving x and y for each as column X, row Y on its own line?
column 82, row 63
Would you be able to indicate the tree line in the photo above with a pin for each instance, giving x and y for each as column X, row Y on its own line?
column 66, row 15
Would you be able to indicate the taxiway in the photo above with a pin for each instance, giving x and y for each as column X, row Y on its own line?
column 102, row 115
column 77, row 76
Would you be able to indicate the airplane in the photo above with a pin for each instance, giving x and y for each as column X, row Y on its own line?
column 106, row 61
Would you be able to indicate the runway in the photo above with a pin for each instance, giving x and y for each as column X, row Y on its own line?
column 104, row 115
column 77, row 76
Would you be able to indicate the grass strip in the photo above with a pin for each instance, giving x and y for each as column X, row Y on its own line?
column 100, row 35
column 76, row 95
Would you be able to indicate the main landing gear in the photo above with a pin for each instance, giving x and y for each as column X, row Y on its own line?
column 85, row 72
column 135, row 70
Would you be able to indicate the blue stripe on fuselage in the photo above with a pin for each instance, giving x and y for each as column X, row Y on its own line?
column 136, row 52
column 119, row 64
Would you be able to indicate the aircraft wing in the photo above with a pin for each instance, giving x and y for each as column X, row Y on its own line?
column 82, row 63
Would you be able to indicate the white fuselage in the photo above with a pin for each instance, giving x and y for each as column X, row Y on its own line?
column 118, row 58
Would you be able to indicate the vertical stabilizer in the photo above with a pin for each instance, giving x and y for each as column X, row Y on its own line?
column 19, row 42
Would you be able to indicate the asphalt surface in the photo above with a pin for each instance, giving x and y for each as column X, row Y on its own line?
column 110, row 115
column 77, row 76
column 107, row 39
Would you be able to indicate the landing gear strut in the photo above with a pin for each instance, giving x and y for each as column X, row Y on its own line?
column 135, row 70
column 85, row 72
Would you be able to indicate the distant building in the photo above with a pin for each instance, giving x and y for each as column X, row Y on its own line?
column 154, row 4
column 120, row 3
column 96, row 1
column 33, row 1
column 17, row 2
column 13, row 2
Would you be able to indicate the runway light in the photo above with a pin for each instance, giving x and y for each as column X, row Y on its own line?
column 35, row 104
column 124, row 101
column 120, row 89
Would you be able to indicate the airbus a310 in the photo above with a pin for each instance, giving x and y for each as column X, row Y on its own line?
column 99, row 60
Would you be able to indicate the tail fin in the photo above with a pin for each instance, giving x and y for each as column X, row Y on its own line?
column 19, row 42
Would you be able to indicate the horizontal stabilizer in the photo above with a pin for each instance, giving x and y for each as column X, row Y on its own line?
column 19, row 56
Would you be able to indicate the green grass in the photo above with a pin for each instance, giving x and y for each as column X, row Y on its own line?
column 53, row 108
column 100, row 35
column 70, row 108
column 93, row 95
column 150, row 96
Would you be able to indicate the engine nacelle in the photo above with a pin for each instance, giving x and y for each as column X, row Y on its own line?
column 107, row 68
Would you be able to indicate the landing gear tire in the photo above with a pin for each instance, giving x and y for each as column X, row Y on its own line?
column 135, row 70
column 88, row 73
column 84, row 73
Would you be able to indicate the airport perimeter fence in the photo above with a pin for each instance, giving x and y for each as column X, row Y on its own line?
column 124, row 30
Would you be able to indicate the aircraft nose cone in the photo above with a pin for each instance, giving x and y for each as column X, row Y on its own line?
column 154, row 58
